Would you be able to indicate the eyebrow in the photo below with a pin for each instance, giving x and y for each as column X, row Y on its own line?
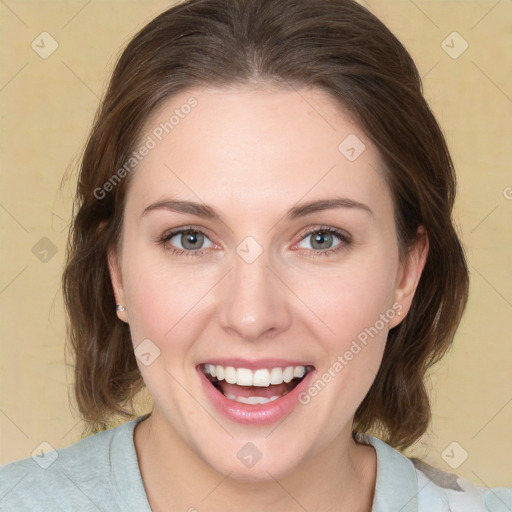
column 187, row 207
column 325, row 204
column 302, row 210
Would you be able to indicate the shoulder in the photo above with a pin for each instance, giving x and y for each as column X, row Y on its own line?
column 438, row 489
column 79, row 476
column 411, row 485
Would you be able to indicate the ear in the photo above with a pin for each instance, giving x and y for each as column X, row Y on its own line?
column 117, row 283
column 409, row 275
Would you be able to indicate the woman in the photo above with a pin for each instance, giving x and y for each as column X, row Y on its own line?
column 263, row 238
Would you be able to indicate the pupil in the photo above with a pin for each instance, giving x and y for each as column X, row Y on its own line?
column 322, row 237
column 190, row 239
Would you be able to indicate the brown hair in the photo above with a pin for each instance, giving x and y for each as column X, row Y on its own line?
column 334, row 45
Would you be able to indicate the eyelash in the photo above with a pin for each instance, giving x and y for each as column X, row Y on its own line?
column 344, row 238
column 180, row 252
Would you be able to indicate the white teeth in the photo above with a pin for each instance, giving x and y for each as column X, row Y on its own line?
column 276, row 376
column 262, row 377
column 288, row 374
column 251, row 400
column 244, row 377
column 230, row 375
column 299, row 372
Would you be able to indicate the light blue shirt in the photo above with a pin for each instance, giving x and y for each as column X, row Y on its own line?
column 101, row 473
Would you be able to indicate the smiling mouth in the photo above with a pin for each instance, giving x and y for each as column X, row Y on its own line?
column 254, row 387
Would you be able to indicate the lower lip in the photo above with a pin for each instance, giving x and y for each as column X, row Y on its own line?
column 258, row 414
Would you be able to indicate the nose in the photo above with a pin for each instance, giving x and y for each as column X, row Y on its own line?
column 255, row 302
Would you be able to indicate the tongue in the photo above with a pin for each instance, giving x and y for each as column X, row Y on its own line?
column 246, row 391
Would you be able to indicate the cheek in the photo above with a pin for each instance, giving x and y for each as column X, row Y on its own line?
column 165, row 307
column 355, row 306
column 162, row 299
column 352, row 299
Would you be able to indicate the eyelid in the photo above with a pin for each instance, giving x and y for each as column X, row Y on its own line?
column 176, row 231
column 342, row 234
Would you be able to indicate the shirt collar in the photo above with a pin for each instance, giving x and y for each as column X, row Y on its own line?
column 396, row 488
column 125, row 472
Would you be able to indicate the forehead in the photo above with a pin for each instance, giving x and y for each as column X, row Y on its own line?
column 255, row 145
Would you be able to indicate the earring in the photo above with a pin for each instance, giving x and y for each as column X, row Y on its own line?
column 120, row 307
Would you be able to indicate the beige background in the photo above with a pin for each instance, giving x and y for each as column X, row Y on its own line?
column 47, row 106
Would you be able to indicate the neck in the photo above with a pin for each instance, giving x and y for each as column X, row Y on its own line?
column 341, row 477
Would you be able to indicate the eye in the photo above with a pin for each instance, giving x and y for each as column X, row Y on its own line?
column 324, row 240
column 186, row 240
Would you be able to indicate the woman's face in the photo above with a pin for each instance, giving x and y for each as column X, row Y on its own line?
column 259, row 246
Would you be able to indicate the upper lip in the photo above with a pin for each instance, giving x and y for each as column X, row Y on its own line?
column 255, row 364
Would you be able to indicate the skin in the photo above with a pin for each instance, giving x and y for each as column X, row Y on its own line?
column 252, row 154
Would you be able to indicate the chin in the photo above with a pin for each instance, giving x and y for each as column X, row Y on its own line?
column 263, row 470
